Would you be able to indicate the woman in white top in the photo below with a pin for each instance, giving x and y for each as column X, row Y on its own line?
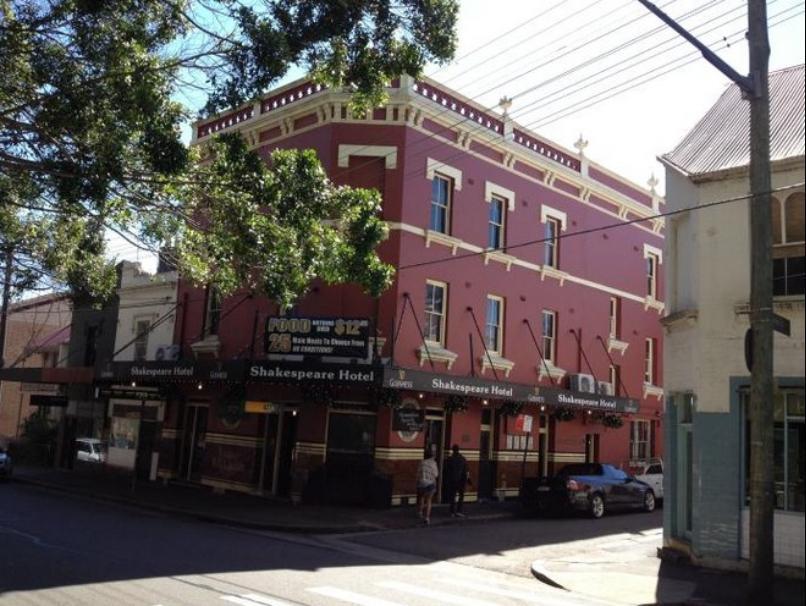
column 427, row 474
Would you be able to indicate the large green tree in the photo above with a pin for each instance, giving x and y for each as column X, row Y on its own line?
column 90, row 118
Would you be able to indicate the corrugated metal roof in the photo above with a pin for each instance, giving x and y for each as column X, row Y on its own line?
column 721, row 139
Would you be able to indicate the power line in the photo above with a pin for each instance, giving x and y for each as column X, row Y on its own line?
column 653, row 75
column 600, row 228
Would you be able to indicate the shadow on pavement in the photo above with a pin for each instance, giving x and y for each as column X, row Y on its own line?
column 51, row 539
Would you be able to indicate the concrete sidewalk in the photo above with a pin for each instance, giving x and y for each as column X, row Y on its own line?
column 625, row 569
column 245, row 510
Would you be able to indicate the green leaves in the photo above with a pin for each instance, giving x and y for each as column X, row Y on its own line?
column 274, row 230
column 90, row 134
column 361, row 44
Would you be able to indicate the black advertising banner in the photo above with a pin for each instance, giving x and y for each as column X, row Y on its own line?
column 284, row 372
column 417, row 380
column 335, row 337
column 408, row 418
column 149, row 373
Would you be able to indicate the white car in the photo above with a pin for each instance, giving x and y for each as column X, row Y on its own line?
column 652, row 474
column 91, row 450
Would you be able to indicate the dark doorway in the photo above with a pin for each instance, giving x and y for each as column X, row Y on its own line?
column 592, row 448
column 434, row 437
column 193, row 444
column 288, row 440
column 265, row 472
column 486, row 467
column 146, row 438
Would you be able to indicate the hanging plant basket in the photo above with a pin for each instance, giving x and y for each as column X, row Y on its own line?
column 564, row 414
column 386, row 396
column 232, row 405
column 611, row 420
column 455, row 404
column 318, row 393
column 511, row 408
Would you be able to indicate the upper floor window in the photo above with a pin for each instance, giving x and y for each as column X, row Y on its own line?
column 550, row 336
column 649, row 361
column 494, row 324
column 495, row 226
column 615, row 317
column 212, row 316
column 551, row 242
column 789, row 263
column 652, row 275
column 435, row 311
column 141, row 330
column 614, row 375
column 441, row 193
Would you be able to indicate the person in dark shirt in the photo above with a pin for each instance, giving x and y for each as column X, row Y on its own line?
column 457, row 476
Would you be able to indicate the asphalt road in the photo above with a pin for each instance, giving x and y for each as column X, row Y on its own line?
column 63, row 550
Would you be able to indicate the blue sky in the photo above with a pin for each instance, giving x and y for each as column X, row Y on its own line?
column 604, row 69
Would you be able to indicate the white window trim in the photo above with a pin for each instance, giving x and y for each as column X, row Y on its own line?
column 548, row 211
column 649, row 361
column 551, row 360
column 500, row 351
column 437, row 353
column 503, row 225
column 432, row 167
column 656, row 252
column 549, row 370
column 387, row 152
column 444, row 328
column 498, row 363
column 491, row 189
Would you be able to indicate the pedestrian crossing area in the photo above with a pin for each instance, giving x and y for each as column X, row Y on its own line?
column 439, row 590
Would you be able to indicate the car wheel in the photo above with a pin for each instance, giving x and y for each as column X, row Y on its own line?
column 649, row 501
column 597, row 506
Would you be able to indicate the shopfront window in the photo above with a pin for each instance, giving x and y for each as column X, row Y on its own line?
column 788, row 449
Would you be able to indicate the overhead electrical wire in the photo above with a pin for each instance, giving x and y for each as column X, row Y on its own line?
column 599, row 228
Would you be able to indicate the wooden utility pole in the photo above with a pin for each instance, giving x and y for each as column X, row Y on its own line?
column 756, row 89
column 760, row 581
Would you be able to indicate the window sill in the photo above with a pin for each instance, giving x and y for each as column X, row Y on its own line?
column 210, row 345
column 444, row 239
column 653, row 303
column 653, row 390
column 556, row 373
column 618, row 345
column 498, row 363
column 437, row 353
column 500, row 257
column 552, row 272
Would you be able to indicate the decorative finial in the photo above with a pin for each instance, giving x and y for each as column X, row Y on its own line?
column 505, row 103
column 653, row 182
column 581, row 144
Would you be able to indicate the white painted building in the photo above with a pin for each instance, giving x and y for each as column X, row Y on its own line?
column 145, row 331
column 707, row 296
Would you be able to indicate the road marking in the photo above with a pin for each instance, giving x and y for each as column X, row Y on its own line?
column 253, row 599
column 350, row 597
column 261, row 599
column 433, row 594
column 525, row 596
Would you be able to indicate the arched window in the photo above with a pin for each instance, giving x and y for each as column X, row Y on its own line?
column 789, row 262
column 794, row 218
column 777, row 223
